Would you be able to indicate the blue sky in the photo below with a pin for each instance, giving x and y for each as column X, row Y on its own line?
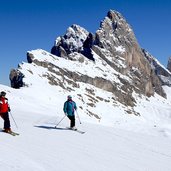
column 31, row 24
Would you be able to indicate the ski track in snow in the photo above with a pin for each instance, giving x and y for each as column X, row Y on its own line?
column 131, row 143
column 41, row 147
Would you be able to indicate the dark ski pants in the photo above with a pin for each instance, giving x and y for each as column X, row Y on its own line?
column 72, row 119
column 5, row 117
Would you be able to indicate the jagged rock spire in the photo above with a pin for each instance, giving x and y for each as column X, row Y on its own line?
column 72, row 41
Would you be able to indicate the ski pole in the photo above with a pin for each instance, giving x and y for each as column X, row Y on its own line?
column 78, row 117
column 60, row 121
column 14, row 120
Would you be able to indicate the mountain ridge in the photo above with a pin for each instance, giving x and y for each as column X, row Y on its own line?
column 110, row 60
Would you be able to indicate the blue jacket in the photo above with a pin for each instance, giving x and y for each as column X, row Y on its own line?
column 69, row 107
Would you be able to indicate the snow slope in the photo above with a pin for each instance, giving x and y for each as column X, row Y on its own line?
column 122, row 142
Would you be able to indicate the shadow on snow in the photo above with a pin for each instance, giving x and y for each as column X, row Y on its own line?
column 50, row 127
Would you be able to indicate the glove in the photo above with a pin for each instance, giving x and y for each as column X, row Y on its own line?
column 9, row 109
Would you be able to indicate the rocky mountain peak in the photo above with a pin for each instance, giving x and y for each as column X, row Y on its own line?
column 123, row 52
column 71, row 42
column 115, row 21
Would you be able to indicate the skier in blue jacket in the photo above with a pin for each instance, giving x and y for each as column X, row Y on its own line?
column 69, row 110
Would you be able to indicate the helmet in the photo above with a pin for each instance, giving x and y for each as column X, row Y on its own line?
column 69, row 97
column 2, row 93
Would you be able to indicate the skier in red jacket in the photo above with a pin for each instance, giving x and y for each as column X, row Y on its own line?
column 4, row 109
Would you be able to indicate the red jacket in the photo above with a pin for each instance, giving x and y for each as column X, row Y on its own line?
column 3, row 105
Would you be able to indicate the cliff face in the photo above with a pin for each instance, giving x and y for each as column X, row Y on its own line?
column 125, row 55
column 116, row 44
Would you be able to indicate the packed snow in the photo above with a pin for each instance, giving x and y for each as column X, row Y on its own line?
column 120, row 142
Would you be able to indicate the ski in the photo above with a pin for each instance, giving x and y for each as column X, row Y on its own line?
column 15, row 133
column 76, row 130
column 68, row 128
column 79, row 131
column 12, row 133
